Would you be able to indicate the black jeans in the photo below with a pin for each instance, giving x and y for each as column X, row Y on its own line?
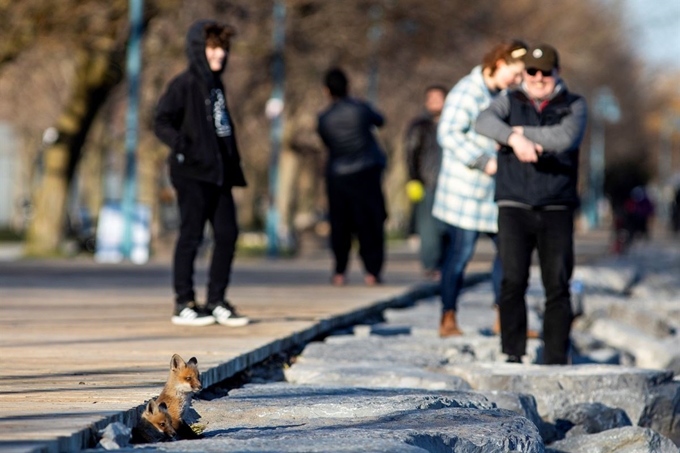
column 200, row 202
column 356, row 207
column 551, row 232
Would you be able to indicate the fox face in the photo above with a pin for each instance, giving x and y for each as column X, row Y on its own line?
column 154, row 426
column 184, row 376
column 159, row 417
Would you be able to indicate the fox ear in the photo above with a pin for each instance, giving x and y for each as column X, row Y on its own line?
column 152, row 407
column 192, row 361
column 176, row 362
column 163, row 407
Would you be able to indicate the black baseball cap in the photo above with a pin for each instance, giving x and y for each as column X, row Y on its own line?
column 543, row 57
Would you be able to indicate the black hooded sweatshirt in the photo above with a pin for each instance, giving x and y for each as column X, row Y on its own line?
column 192, row 118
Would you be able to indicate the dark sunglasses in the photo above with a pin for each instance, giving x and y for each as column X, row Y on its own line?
column 533, row 71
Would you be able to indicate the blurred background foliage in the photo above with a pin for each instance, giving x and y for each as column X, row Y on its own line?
column 62, row 65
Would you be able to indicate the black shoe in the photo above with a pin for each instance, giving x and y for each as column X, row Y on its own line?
column 225, row 313
column 189, row 314
column 514, row 359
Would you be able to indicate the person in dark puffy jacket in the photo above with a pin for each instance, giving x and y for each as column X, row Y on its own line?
column 193, row 119
column 356, row 204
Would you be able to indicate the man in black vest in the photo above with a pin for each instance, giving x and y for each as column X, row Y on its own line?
column 540, row 127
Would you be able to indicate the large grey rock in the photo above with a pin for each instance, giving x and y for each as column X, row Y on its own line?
column 520, row 403
column 524, row 405
column 284, row 417
column 115, row 436
column 274, row 401
column 649, row 352
column 609, row 277
column 630, row 439
column 399, row 350
column 424, row 352
column 368, row 374
column 291, row 440
column 560, row 386
column 650, row 322
column 662, row 410
column 589, row 418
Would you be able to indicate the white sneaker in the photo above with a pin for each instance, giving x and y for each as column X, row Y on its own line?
column 190, row 315
column 226, row 314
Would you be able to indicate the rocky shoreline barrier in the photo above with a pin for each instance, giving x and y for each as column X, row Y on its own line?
column 395, row 386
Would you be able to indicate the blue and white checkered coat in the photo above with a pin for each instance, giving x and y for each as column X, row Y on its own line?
column 464, row 196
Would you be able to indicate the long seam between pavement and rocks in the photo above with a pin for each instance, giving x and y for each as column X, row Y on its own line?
column 88, row 437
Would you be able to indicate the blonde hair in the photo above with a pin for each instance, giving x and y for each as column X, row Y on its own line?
column 510, row 51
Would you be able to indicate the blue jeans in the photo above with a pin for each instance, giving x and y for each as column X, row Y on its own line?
column 459, row 252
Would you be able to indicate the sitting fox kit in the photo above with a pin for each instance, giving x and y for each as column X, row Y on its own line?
column 183, row 381
column 155, row 425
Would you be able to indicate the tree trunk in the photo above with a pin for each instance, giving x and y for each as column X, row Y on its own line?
column 98, row 71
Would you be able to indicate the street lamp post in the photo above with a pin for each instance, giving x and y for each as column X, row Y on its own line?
column 274, row 111
column 374, row 34
column 605, row 110
column 669, row 124
column 132, row 120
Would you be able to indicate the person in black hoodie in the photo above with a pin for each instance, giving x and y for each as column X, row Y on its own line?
column 192, row 118
column 356, row 205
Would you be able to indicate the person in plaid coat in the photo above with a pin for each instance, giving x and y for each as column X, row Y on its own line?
column 464, row 199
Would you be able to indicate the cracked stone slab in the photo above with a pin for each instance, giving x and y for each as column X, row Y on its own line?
column 283, row 417
column 368, row 374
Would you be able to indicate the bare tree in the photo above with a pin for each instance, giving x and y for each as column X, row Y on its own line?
column 417, row 45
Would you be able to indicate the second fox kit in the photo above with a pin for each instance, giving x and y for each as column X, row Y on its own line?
column 183, row 382
column 155, row 425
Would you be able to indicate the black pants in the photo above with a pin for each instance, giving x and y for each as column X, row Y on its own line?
column 200, row 202
column 356, row 207
column 551, row 233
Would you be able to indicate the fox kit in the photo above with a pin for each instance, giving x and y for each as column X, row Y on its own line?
column 155, row 425
column 182, row 383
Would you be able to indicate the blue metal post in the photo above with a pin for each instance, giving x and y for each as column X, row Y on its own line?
column 605, row 110
column 132, row 120
column 596, row 173
column 374, row 34
column 276, row 131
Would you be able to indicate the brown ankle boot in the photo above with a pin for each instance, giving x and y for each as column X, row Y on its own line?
column 497, row 324
column 448, row 326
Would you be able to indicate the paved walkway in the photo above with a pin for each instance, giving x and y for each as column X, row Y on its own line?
column 85, row 344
